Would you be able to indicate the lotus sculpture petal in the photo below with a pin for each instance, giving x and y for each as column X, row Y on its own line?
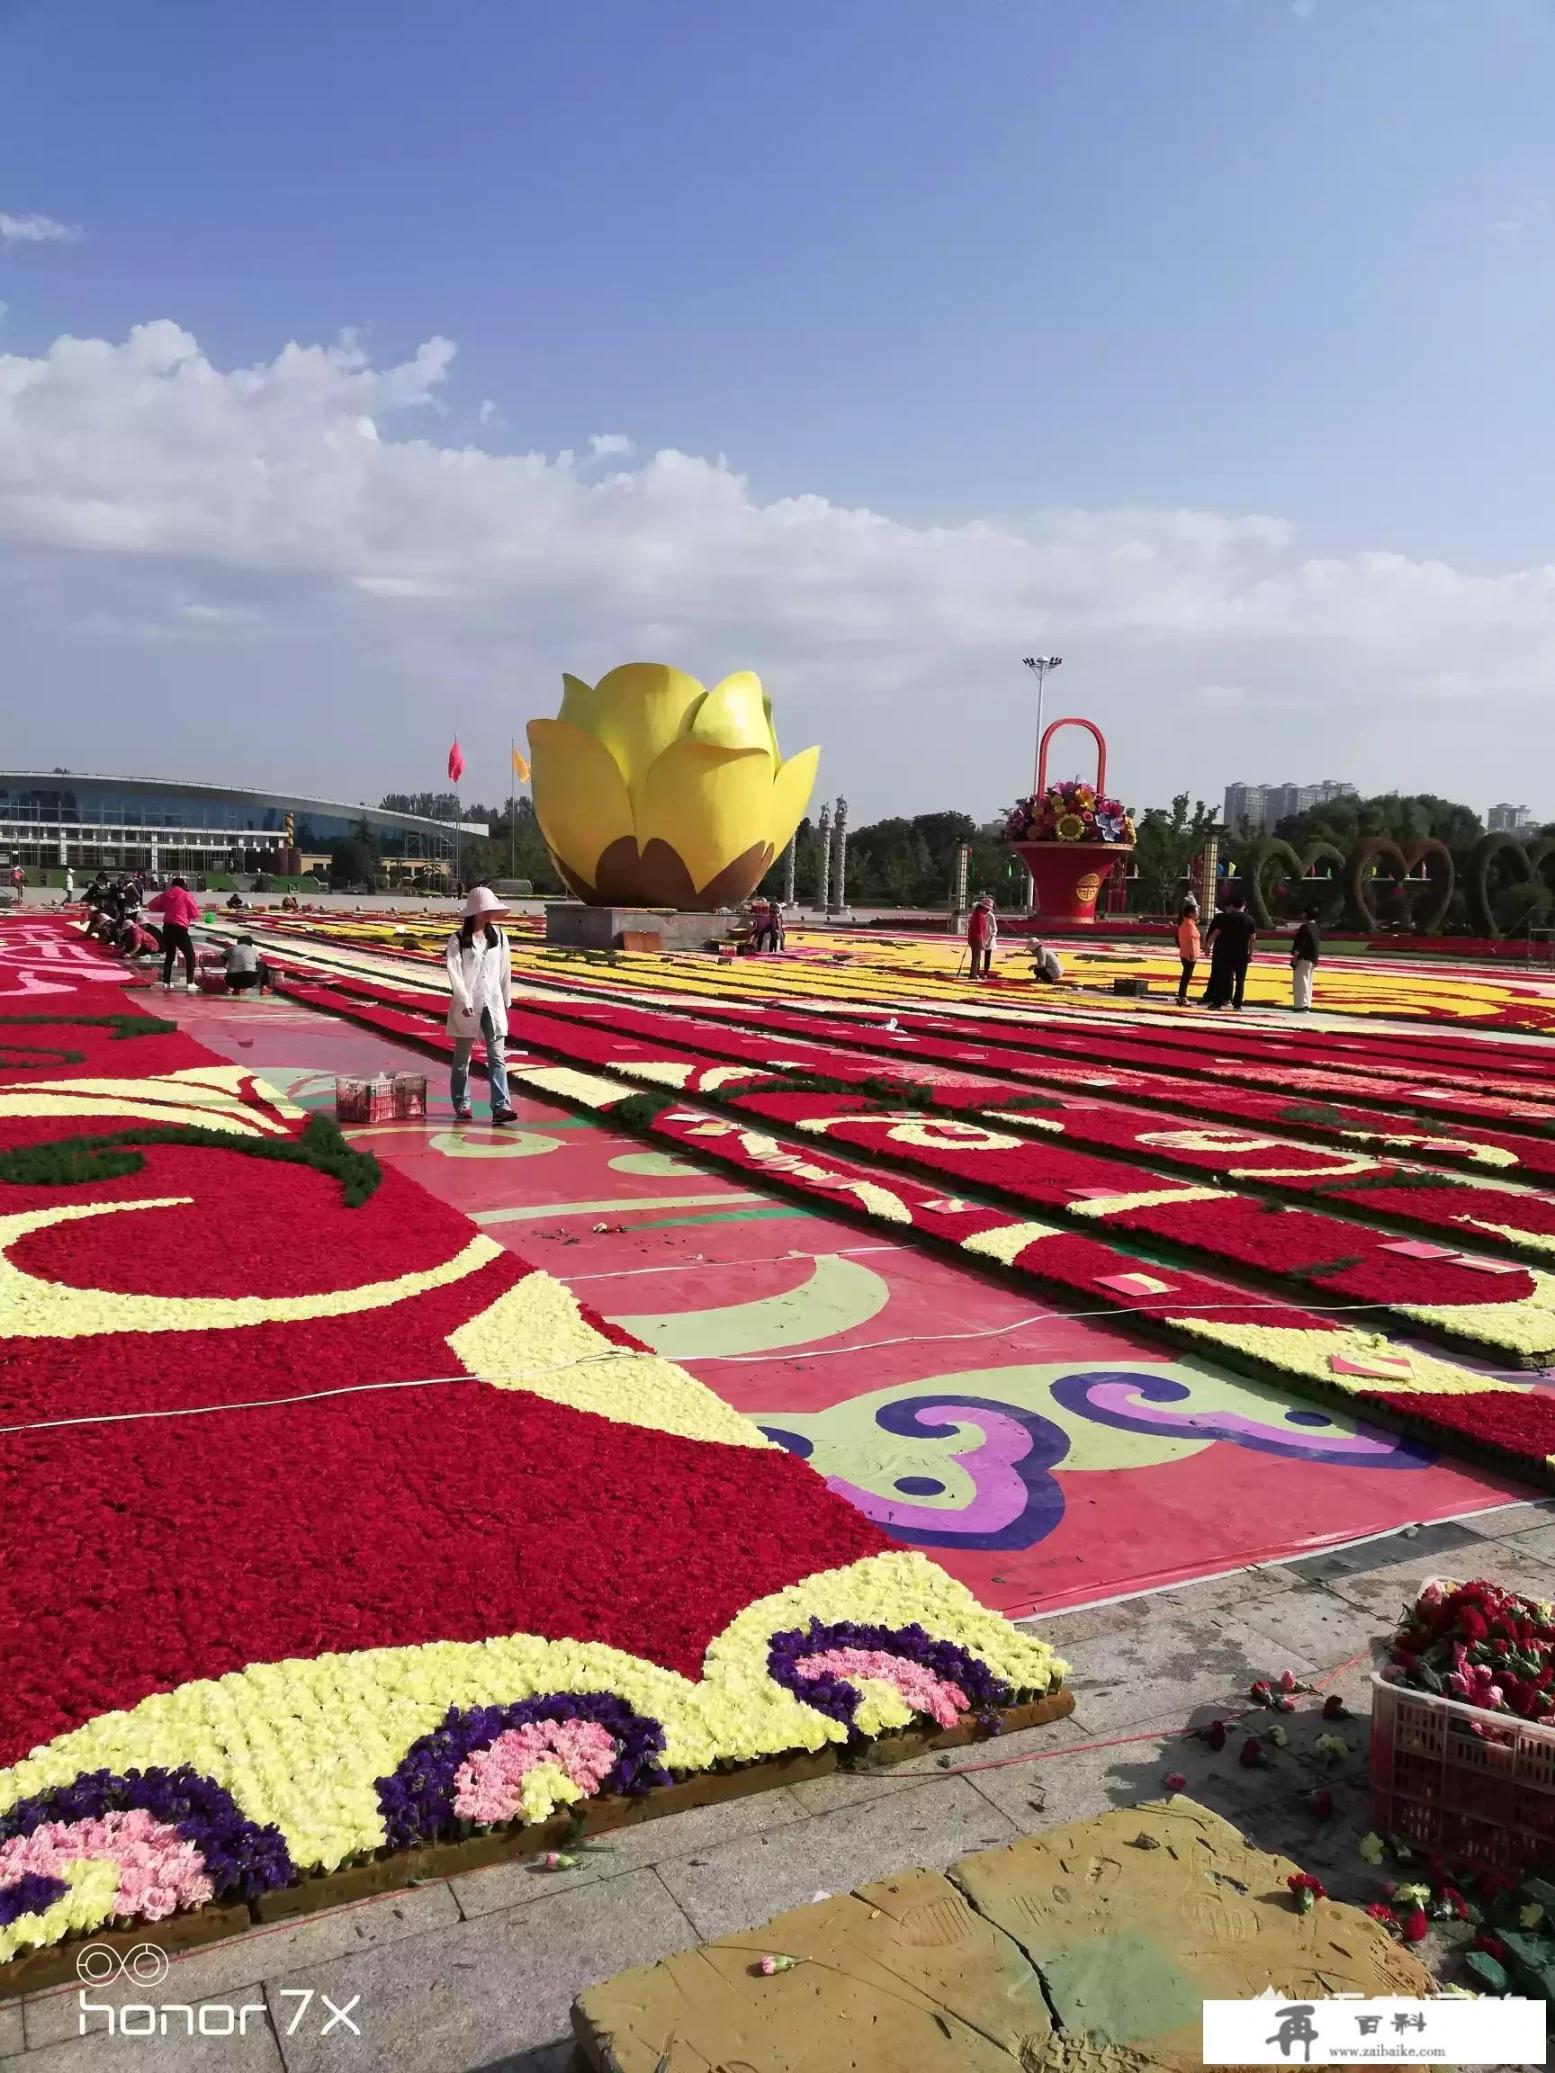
column 651, row 790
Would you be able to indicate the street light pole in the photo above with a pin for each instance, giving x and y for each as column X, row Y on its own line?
column 1039, row 665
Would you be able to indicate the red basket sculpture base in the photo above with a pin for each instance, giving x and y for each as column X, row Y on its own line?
column 1068, row 876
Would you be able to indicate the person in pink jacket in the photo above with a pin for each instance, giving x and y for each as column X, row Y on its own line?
column 179, row 910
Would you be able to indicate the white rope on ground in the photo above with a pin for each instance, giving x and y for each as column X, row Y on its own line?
column 620, row 1353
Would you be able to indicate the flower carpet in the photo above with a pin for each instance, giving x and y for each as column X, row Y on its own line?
column 1088, row 1109
column 866, row 967
column 1047, row 1459
column 335, row 1527
column 1498, row 1308
column 1318, row 1338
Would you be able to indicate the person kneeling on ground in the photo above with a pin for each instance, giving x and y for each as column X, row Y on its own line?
column 1045, row 967
column 244, row 967
column 137, row 940
column 480, row 986
column 1305, row 950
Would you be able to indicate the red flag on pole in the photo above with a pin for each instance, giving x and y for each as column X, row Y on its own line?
column 455, row 763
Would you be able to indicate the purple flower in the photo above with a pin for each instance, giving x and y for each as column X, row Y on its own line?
column 241, row 1858
column 417, row 1798
column 839, row 1700
column 29, row 1895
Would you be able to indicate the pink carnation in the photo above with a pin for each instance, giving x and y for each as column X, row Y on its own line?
column 490, row 1782
column 941, row 1700
column 159, row 1870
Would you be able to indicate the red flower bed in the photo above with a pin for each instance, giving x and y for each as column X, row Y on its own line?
column 149, row 1550
column 192, row 1546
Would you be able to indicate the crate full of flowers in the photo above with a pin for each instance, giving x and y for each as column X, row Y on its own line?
column 1463, row 1728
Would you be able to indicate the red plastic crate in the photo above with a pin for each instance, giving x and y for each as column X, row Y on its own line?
column 364, row 1101
column 1476, row 1787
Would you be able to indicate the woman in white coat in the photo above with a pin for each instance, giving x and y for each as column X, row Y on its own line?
column 480, row 987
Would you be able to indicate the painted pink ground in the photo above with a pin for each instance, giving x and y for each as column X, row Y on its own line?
column 1046, row 1461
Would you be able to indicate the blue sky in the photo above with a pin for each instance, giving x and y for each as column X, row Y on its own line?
column 1099, row 278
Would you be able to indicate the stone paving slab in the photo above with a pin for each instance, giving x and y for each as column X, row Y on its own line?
column 1094, row 1944
column 255, row 2050
column 479, row 1992
column 223, row 1969
column 1120, row 1679
column 750, row 1880
column 630, row 1849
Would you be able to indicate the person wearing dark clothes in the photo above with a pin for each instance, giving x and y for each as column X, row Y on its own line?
column 1305, row 950
column 1229, row 940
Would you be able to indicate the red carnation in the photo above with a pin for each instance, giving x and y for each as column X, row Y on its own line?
column 1215, row 1734
column 1334, row 1707
column 1252, row 1753
column 1322, row 1803
column 1306, row 1890
column 1416, row 1927
column 1262, row 1692
column 1492, row 1946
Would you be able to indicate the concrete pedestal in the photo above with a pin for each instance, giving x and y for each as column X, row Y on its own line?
column 575, row 927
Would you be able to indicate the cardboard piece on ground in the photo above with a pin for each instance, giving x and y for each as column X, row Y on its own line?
column 1120, row 1927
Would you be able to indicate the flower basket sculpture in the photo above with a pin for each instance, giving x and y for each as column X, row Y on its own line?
column 1070, row 836
column 651, row 790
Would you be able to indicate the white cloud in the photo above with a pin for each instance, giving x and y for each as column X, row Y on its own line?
column 434, row 565
column 602, row 445
column 36, row 230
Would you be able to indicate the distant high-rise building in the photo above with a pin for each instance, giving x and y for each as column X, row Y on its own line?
column 1506, row 819
column 1244, row 807
column 1262, row 807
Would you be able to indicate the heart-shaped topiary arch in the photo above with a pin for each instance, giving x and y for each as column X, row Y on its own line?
column 1524, row 864
column 1258, row 870
column 1373, row 851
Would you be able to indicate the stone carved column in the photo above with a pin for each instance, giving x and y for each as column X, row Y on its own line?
column 839, row 836
column 823, row 887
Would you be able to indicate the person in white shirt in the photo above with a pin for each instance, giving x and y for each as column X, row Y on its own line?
column 1045, row 967
column 480, row 987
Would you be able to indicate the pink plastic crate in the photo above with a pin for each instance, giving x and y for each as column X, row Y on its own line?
column 364, row 1101
column 1476, row 1787
column 410, row 1096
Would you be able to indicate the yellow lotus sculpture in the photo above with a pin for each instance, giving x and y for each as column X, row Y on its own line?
column 651, row 790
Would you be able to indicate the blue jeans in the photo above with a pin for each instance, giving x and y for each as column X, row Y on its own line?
column 496, row 1067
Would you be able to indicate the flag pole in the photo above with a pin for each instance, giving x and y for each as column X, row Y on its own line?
column 512, row 832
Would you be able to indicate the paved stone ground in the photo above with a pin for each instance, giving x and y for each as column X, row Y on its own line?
column 478, row 1972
